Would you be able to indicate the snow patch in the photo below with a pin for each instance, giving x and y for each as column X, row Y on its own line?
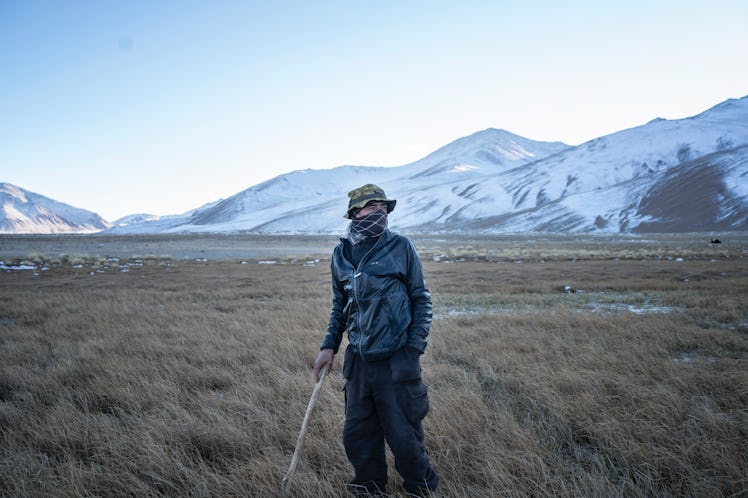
column 3, row 266
column 463, row 167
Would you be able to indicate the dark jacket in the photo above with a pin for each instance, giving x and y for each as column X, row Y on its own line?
column 383, row 302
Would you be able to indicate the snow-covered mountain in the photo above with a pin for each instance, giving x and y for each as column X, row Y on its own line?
column 22, row 211
column 667, row 175
column 135, row 218
column 315, row 200
column 601, row 185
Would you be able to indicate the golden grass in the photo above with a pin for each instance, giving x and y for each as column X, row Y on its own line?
column 191, row 378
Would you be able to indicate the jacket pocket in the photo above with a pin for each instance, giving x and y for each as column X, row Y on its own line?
column 418, row 402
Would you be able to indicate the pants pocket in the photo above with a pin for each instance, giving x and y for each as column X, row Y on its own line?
column 418, row 402
column 405, row 365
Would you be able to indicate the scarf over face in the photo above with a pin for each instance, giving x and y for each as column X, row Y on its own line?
column 370, row 225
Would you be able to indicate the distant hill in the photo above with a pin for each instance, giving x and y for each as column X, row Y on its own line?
column 22, row 211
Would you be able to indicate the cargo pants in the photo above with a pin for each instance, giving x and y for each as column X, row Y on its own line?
column 386, row 401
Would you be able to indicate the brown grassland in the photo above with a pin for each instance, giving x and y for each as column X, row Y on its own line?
column 556, row 367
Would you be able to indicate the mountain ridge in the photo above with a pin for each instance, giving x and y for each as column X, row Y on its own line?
column 632, row 180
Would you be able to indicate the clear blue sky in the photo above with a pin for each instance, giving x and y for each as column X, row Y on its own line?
column 160, row 106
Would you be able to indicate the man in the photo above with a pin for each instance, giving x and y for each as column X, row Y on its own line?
column 380, row 297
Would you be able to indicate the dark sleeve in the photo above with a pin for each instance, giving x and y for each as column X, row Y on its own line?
column 337, row 323
column 420, row 301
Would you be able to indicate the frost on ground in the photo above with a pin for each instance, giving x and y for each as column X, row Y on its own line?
column 592, row 307
column 640, row 309
column 3, row 266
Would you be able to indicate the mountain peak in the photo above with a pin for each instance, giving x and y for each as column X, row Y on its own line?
column 13, row 191
column 493, row 135
column 494, row 146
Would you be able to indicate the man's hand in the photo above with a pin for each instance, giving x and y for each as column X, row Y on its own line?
column 324, row 361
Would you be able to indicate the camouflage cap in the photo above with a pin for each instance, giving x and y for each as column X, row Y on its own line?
column 369, row 192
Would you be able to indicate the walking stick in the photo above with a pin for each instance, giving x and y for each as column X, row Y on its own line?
column 286, row 484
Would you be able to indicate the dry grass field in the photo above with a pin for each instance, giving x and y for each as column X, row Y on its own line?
column 557, row 367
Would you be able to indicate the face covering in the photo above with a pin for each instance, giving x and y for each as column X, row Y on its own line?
column 371, row 225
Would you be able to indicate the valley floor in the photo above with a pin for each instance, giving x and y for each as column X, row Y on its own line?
column 557, row 366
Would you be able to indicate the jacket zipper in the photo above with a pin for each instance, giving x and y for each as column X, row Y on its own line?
column 357, row 274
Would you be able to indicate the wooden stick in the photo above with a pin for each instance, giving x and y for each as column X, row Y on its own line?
column 286, row 484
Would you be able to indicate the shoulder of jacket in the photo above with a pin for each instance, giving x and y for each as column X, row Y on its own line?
column 337, row 251
column 340, row 245
column 402, row 240
column 396, row 237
